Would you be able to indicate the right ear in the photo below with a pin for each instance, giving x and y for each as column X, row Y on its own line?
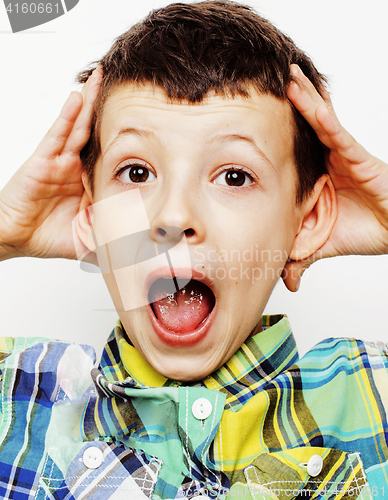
column 83, row 233
column 84, row 223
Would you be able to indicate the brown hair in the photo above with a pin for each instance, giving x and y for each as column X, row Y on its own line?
column 218, row 45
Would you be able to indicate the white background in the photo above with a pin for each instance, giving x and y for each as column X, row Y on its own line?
column 347, row 41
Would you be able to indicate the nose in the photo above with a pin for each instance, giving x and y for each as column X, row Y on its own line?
column 167, row 237
column 179, row 213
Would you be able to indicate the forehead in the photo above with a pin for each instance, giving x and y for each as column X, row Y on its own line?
column 146, row 108
column 149, row 103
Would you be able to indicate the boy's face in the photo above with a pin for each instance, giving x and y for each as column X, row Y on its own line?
column 223, row 172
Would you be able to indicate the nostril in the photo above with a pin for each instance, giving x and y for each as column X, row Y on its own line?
column 189, row 232
column 174, row 233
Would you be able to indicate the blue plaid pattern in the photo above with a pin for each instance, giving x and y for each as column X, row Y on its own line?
column 272, row 412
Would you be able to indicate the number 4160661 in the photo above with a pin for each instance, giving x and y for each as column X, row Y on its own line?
column 32, row 8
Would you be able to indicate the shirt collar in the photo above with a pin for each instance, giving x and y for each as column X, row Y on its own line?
column 260, row 359
column 123, row 375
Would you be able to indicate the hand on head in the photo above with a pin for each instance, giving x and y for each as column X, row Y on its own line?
column 39, row 203
column 360, row 181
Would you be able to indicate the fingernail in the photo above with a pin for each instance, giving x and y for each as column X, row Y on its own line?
column 296, row 70
column 297, row 286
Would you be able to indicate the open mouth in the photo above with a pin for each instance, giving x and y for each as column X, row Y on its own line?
column 181, row 315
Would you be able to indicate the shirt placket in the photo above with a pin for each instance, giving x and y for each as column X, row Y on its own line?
column 200, row 412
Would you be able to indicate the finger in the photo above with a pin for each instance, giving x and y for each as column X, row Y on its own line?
column 319, row 113
column 301, row 79
column 81, row 130
column 55, row 139
column 98, row 74
column 305, row 96
column 327, row 99
column 337, row 137
column 326, row 125
column 305, row 103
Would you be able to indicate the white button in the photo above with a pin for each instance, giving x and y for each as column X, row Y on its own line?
column 314, row 465
column 201, row 409
column 93, row 457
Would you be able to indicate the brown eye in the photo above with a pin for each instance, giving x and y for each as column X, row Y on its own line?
column 136, row 174
column 234, row 178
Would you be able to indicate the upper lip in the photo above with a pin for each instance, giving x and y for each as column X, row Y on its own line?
column 181, row 272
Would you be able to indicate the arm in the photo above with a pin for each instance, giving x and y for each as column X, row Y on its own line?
column 39, row 203
column 360, row 181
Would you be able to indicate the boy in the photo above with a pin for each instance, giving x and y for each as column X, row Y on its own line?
column 196, row 395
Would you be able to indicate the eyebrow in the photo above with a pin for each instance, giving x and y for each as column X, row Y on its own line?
column 243, row 138
column 149, row 134
column 145, row 134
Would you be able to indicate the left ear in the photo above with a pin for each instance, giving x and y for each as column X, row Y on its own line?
column 319, row 213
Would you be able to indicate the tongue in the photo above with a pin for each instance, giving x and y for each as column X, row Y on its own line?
column 184, row 310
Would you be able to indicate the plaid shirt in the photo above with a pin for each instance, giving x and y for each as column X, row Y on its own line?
column 131, row 433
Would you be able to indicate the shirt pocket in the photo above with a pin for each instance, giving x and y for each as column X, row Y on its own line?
column 308, row 472
column 99, row 471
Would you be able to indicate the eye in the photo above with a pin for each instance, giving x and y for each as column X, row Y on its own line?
column 234, row 178
column 136, row 174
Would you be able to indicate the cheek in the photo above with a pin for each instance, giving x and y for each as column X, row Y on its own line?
column 267, row 226
column 257, row 248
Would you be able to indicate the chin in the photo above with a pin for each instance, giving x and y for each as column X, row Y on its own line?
column 184, row 373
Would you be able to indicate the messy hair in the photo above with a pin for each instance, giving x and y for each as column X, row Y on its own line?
column 214, row 45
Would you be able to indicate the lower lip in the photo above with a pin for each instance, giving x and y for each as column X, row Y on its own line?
column 187, row 339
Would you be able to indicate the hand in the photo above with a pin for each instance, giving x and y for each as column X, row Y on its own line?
column 360, row 181
column 39, row 203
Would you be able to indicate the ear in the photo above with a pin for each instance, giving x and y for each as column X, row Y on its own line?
column 84, row 224
column 319, row 213
column 83, row 227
